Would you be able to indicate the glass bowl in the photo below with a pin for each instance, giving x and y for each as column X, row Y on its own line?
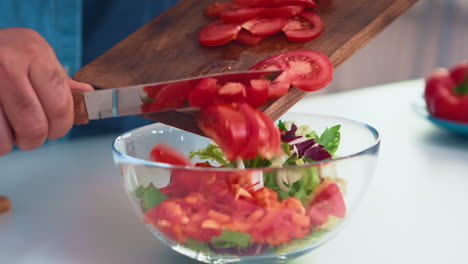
column 227, row 215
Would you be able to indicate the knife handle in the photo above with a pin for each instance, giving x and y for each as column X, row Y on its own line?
column 79, row 108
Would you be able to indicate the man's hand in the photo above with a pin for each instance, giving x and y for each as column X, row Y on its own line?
column 35, row 91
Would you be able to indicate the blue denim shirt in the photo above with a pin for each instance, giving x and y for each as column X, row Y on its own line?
column 81, row 30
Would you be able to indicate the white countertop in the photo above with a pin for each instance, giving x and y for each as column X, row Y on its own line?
column 69, row 206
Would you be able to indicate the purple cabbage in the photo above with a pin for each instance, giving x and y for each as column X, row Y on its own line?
column 253, row 250
column 313, row 150
column 290, row 135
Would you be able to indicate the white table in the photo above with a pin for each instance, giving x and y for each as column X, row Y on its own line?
column 69, row 206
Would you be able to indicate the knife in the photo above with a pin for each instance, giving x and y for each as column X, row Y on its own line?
column 136, row 99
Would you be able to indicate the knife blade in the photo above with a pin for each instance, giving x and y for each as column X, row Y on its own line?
column 130, row 100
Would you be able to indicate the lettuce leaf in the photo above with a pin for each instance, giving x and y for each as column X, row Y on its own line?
column 230, row 239
column 330, row 139
column 152, row 197
column 211, row 152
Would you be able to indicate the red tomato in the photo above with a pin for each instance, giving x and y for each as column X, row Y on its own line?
column 226, row 126
column 306, row 26
column 166, row 154
column 274, row 147
column 283, row 11
column 218, row 33
column 231, row 92
column 247, row 38
column 265, row 26
column 305, row 69
column 235, row 15
column 257, row 92
column 251, row 149
column 265, row 3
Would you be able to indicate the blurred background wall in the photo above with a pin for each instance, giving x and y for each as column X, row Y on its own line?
column 433, row 33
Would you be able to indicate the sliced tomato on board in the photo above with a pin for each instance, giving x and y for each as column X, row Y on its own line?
column 235, row 15
column 265, row 26
column 247, row 38
column 218, row 33
column 282, row 11
column 166, row 154
column 304, row 27
column 265, row 3
column 307, row 70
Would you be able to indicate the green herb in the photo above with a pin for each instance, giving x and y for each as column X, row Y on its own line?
column 152, row 197
column 282, row 126
column 302, row 189
column 229, row 239
column 258, row 162
column 330, row 139
column 139, row 192
column 197, row 245
column 211, row 152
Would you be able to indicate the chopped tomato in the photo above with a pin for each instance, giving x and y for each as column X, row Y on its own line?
column 168, row 97
column 257, row 92
column 247, row 38
column 328, row 202
column 218, row 33
column 209, row 91
column 265, row 26
column 282, row 11
column 167, row 154
column 234, row 15
column 306, row 26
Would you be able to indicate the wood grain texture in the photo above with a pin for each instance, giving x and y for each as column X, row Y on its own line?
column 79, row 109
column 167, row 47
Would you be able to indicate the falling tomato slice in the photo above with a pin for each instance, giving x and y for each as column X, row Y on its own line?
column 166, row 154
column 304, row 27
column 265, row 26
column 218, row 33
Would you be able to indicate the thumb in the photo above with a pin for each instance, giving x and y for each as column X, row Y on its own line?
column 79, row 86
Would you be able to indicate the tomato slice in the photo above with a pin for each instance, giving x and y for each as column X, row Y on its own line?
column 251, row 150
column 274, row 147
column 257, row 92
column 234, row 15
column 167, row 154
column 226, row 126
column 308, row 70
column 306, row 26
column 218, row 33
column 265, row 26
column 247, row 38
column 265, row 3
column 214, row 9
column 209, row 91
column 282, row 11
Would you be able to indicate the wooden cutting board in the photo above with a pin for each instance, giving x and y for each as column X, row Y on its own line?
column 167, row 48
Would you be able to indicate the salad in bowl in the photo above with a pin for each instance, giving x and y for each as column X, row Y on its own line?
column 217, row 210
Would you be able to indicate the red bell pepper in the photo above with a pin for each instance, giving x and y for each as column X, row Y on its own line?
column 446, row 93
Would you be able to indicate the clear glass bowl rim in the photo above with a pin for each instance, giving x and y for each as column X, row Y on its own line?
column 137, row 161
